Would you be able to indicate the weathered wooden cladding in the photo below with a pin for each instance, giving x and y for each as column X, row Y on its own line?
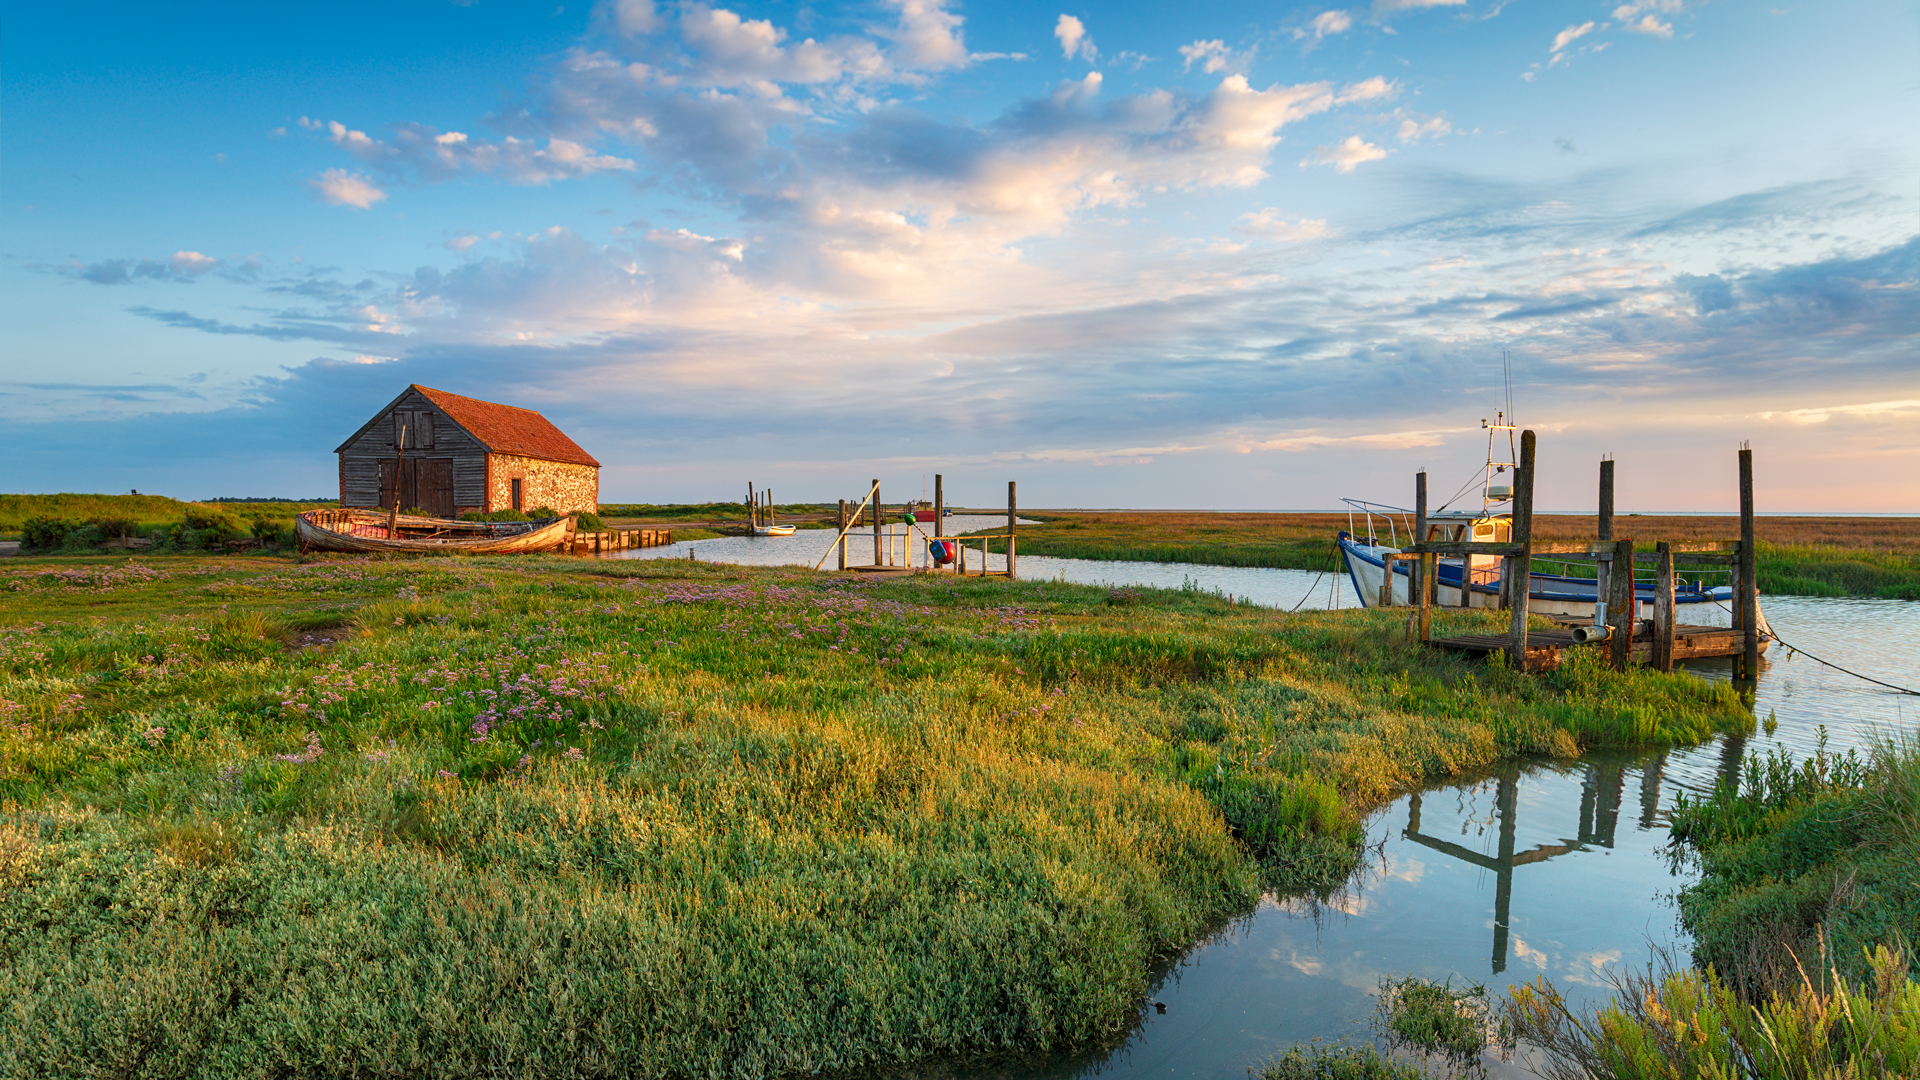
column 452, row 455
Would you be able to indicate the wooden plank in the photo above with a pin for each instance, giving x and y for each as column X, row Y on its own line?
column 1463, row 547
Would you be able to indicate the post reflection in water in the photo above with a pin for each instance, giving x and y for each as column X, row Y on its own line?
column 1601, row 790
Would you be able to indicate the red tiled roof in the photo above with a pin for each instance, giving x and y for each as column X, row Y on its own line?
column 504, row 429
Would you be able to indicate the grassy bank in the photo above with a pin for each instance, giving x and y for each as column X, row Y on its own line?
column 79, row 523
column 568, row 817
column 1878, row 557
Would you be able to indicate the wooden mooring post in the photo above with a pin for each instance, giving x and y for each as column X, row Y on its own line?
column 879, row 526
column 841, row 524
column 1746, row 595
column 1012, row 504
column 939, row 507
column 1427, row 568
column 1620, row 605
column 1520, row 565
column 1663, row 615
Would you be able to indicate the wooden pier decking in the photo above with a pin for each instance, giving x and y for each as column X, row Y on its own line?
column 1546, row 648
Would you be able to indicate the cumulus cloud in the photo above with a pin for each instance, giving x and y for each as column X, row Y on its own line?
column 338, row 187
column 1326, row 24
column 1642, row 16
column 1074, row 41
column 1416, row 126
column 441, row 155
column 1346, row 156
column 928, row 36
column 1273, row 225
column 1368, row 90
column 1568, row 36
column 1212, row 56
column 191, row 263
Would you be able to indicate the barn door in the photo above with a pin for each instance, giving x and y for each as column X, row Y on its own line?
column 436, row 487
column 411, row 491
column 387, row 486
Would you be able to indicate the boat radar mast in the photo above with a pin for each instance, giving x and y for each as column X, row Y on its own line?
column 1494, row 494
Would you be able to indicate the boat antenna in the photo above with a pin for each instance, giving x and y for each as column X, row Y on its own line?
column 1506, row 369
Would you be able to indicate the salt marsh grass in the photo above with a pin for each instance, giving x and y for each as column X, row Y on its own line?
column 553, row 817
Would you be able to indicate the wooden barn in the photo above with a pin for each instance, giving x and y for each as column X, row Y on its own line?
column 458, row 455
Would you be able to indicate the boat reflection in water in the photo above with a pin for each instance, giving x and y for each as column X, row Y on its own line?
column 1602, row 789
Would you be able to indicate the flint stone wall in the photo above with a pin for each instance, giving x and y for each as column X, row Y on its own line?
column 569, row 489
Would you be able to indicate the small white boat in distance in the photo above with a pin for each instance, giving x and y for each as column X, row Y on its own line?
column 774, row 530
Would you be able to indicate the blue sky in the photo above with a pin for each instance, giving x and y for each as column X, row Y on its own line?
column 1206, row 255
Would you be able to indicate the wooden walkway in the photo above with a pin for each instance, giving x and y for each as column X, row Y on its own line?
column 1545, row 648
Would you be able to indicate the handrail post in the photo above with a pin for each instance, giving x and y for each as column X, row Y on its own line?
column 879, row 557
column 841, row 540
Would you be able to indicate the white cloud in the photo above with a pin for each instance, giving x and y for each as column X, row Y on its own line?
column 1416, row 126
column 1273, row 225
column 928, row 36
column 462, row 243
column 1073, row 38
column 338, row 187
column 1212, row 55
column 1326, row 23
column 192, row 263
column 1872, row 409
column 1368, row 90
column 441, row 155
column 1346, row 156
column 1649, row 25
column 1568, row 36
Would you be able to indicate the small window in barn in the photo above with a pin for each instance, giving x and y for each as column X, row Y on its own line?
column 423, row 430
column 402, row 423
column 519, row 494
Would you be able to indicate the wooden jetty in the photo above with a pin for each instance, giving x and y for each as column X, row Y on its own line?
column 893, row 553
column 1658, row 641
column 609, row 541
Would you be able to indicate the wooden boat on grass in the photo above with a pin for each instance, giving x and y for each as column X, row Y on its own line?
column 370, row 531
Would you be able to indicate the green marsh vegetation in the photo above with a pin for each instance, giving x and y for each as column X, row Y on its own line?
column 79, row 523
column 557, row 817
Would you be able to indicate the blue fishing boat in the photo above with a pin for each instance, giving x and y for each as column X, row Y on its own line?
column 1475, row 580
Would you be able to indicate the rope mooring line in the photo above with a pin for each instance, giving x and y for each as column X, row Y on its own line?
column 1796, row 649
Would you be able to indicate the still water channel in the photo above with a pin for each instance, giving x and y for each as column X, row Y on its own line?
column 1538, row 868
